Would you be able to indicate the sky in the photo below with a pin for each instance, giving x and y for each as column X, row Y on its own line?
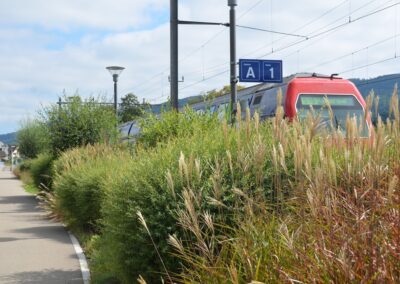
column 51, row 48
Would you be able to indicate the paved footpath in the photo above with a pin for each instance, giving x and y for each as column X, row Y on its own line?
column 33, row 249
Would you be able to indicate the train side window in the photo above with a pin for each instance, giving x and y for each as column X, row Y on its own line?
column 222, row 110
column 257, row 100
column 200, row 111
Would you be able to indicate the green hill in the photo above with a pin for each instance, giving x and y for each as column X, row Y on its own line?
column 9, row 138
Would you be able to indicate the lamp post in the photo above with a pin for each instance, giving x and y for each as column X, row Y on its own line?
column 115, row 71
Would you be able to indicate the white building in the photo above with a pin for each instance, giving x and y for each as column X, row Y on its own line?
column 15, row 159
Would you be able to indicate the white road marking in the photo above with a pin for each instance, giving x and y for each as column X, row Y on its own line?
column 82, row 259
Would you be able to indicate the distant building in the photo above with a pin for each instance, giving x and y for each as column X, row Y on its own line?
column 4, row 151
column 15, row 158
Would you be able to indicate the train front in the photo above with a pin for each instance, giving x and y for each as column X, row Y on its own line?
column 314, row 94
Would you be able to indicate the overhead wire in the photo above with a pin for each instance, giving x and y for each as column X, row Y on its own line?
column 326, row 32
column 345, row 16
column 301, row 27
column 206, row 79
column 331, row 29
column 270, row 31
column 355, row 20
column 370, row 64
column 355, row 52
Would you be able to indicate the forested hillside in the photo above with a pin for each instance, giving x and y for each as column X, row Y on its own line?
column 382, row 86
column 9, row 138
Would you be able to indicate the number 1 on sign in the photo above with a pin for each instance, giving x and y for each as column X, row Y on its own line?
column 272, row 72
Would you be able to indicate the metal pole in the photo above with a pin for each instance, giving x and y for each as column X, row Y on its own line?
column 174, row 53
column 233, row 77
column 115, row 79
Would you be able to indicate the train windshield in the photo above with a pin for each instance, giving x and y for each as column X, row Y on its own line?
column 343, row 106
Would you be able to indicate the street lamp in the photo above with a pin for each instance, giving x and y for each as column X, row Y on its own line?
column 115, row 71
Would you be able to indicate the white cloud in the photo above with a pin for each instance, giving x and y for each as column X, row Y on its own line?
column 77, row 43
column 67, row 15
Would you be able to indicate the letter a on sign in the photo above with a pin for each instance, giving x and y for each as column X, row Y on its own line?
column 250, row 73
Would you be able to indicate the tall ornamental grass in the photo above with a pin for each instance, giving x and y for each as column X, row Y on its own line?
column 335, row 215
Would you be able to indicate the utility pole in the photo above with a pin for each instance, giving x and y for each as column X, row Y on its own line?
column 174, row 53
column 233, row 76
column 59, row 103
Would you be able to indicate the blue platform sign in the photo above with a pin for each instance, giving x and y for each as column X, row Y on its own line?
column 263, row 71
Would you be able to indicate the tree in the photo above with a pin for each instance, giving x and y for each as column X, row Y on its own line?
column 210, row 95
column 78, row 123
column 131, row 108
column 32, row 139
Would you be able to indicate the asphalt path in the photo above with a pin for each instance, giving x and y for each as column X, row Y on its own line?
column 33, row 249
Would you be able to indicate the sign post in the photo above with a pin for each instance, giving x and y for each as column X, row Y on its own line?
column 264, row 71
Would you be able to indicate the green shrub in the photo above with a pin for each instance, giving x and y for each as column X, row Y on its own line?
column 41, row 171
column 78, row 123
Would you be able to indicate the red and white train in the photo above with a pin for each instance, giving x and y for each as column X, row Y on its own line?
column 300, row 93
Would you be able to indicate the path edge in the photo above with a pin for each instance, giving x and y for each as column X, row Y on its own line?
column 81, row 257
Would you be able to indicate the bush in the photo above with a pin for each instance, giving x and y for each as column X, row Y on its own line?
column 41, row 171
column 25, row 165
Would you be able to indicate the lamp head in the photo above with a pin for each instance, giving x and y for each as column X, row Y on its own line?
column 232, row 3
column 115, row 70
